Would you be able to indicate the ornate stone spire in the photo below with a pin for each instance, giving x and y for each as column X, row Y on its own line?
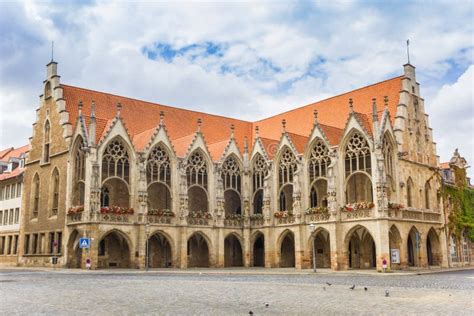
column 79, row 107
column 92, row 125
column 374, row 110
column 315, row 113
column 119, row 109
column 257, row 131
column 246, row 145
column 351, row 106
column 199, row 124
column 283, row 125
column 162, row 118
column 385, row 102
column 232, row 128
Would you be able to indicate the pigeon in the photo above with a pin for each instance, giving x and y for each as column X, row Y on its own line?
column 352, row 287
column 365, row 289
column 266, row 304
column 328, row 283
column 250, row 313
column 386, row 293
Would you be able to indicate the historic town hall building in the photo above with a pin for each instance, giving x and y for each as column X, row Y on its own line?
column 189, row 189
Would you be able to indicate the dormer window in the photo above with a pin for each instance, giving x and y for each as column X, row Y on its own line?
column 46, row 141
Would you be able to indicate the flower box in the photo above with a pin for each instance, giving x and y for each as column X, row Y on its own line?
column 317, row 210
column 162, row 213
column 395, row 206
column 116, row 210
column 283, row 214
column 256, row 216
column 233, row 216
column 352, row 207
column 200, row 214
column 76, row 209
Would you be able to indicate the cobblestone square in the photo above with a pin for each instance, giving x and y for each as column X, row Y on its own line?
column 235, row 292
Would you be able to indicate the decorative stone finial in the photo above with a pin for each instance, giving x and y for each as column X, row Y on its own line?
column 246, row 145
column 351, row 105
column 199, row 123
column 162, row 117
column 232, row 128
column 315, row 113
column 93, row 109
column 79, row 107
column 257, row 131
column 283, row 125
column 385, row 101
column 119, row 109
column 374, row 110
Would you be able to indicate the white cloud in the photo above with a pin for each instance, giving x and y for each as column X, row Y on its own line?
column 453, row 117
column 321, row 49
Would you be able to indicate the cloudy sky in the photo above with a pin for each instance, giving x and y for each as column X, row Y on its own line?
column 247, row 59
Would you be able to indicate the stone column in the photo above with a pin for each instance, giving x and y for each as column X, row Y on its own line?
column 182, row 248
column 382, row 244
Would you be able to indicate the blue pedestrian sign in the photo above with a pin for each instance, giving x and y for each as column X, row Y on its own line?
column 84, row 243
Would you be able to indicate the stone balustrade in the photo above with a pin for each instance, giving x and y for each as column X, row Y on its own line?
column 317, row 217
column 413, row 214
column 233, row 222
column 74, row 218
column 357, row 214
column 285, row 220
column 200, row 221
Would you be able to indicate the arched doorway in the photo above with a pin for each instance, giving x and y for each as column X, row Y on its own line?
column 361, row 248
column 198, row 251
column 74, row 252
column 433, row 249
column 159, row 251
column 395, row 243
column 114, row 251
column 232, row 252
column 322, row 247
column 287, row 250
column 413, row 247
column 259, row 251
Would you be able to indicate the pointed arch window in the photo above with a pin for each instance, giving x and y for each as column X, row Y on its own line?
column 287, row 167
column 317, row 169
column 357, row 155
column 55, row 193
column 232, row 186
column 115, row 162
column 158, row 166
column 79, row 172
column 231, row 174
column 318, row 161
column 427, row 195
column 196, row 170
column 260, row 171
column 46, row 141
column 36, row 193
column 104, row 197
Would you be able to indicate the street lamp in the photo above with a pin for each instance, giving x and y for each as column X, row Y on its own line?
column 147, row 232
column 312, row 228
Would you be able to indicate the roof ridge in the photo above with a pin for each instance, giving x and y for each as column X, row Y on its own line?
column 330, row 98
column 153, row 103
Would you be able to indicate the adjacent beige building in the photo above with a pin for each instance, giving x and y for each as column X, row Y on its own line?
column 12, row 162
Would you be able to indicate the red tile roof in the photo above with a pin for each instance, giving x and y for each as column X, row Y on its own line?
column 8, row 153
column 15, row 173
column 141, row 119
